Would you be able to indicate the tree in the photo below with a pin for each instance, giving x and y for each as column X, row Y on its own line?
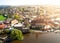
column 2, row 18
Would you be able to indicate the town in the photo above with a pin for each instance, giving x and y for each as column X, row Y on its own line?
column 16, row 22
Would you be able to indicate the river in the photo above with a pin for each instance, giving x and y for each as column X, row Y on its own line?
column 48, row 37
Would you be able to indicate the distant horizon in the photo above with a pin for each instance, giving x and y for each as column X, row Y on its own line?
column 31, row 5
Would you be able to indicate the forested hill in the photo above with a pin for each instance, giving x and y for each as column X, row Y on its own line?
column 4, row 6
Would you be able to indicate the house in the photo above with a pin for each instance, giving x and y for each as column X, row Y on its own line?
column 14, row 22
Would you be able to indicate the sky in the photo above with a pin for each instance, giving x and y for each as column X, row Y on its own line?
column 29, row 2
